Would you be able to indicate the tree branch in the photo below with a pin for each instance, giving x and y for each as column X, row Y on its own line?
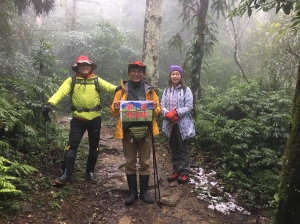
column 289, row 50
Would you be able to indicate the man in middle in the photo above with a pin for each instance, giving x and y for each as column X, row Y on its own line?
column 136, row 90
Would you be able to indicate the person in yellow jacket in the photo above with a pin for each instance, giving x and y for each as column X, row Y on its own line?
column 136, row 89
column 86, row 114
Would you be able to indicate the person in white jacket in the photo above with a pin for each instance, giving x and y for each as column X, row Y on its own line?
column 178, row 125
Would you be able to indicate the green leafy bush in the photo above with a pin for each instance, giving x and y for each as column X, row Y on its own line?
column 244, row 131
column 22, row 126
column 11, row 174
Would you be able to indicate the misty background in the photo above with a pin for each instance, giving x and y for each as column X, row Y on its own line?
column 248, row 77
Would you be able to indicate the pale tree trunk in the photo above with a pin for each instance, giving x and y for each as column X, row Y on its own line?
column 289, row 189
column 74, row 15
column 235, row 39
column 70, row 14
column 152, row 28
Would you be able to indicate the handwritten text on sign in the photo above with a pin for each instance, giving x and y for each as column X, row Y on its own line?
column 136, row 111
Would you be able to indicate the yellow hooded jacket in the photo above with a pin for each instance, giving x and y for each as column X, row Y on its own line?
column 84, row 95
column 122, row 95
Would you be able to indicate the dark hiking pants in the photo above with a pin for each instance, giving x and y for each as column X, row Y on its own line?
column 180, row 153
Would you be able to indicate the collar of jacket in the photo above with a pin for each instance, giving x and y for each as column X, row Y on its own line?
column 85, row 77
column 177, row 87
column 147, row 86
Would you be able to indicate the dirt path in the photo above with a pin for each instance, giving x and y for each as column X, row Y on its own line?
column 104, row 202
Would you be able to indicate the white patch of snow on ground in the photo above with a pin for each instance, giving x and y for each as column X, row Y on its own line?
column 206, row 183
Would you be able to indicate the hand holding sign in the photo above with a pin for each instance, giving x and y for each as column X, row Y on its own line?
column 154, row 105
column 117, row 105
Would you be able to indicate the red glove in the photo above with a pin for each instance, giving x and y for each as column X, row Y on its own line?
column 175, row 119
column 170, row 115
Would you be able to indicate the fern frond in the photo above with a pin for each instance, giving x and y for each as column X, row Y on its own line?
column 7, row 191
column 22, row 169
column 4, row 182
column 4, row 160
column 4, row 145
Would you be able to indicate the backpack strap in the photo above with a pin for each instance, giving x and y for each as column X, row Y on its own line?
column 72, row 85
column 97, row 87
column 96, row 82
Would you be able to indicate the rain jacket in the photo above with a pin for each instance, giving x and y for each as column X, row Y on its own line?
column 84, row 95
column 122, row 95
column 184, row 99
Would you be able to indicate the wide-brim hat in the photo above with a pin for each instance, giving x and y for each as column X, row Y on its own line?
column 83, row 59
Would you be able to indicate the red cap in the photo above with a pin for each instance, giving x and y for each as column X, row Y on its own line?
column 136, row 64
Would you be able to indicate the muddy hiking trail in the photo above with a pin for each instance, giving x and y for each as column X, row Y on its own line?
column 103, row 202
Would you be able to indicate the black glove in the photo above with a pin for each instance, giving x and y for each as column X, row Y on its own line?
column 45, row 111
column 118, row 88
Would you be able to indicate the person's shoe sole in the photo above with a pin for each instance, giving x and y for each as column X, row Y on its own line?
column 172, row 179
column 91, row 181
column 182, row 181
column 60, row 183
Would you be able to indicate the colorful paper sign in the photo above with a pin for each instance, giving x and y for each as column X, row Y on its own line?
column 131, row 111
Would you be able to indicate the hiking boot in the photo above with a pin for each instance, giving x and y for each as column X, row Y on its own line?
column 90, row 167
column 132, row 184
column 173, row 176
column 90, row 177
column 183, row 178
column 144, row 180
column 65, row 178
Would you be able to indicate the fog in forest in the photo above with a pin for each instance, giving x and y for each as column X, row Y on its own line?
column 242, row 47
column 242, row 72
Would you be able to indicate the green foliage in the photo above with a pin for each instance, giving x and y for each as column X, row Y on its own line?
column 219, row 6
column 10, row 175
column 7, row 39
column 272, row 57
column 22, row 128
column 296, row 20
column 176, row 43
column 190, row 15
column 42, row 56
column 244, row 130
column 286, row 6
column 20, row 109
column 39, row 6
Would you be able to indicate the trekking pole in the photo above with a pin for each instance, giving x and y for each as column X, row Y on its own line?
column 156, row 179
column 46, row 148
column 47, row 119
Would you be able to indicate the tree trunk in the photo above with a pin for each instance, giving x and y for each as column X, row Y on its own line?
column 152, row 27
column 71, row 14
column 289, row 188
column 74, row 15
column 198, row 51
column 235, row 39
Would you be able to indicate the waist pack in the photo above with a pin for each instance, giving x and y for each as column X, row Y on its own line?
column 139, row 132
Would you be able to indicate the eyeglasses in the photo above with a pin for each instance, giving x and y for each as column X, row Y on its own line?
column 137, row 71
column 84, row 64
